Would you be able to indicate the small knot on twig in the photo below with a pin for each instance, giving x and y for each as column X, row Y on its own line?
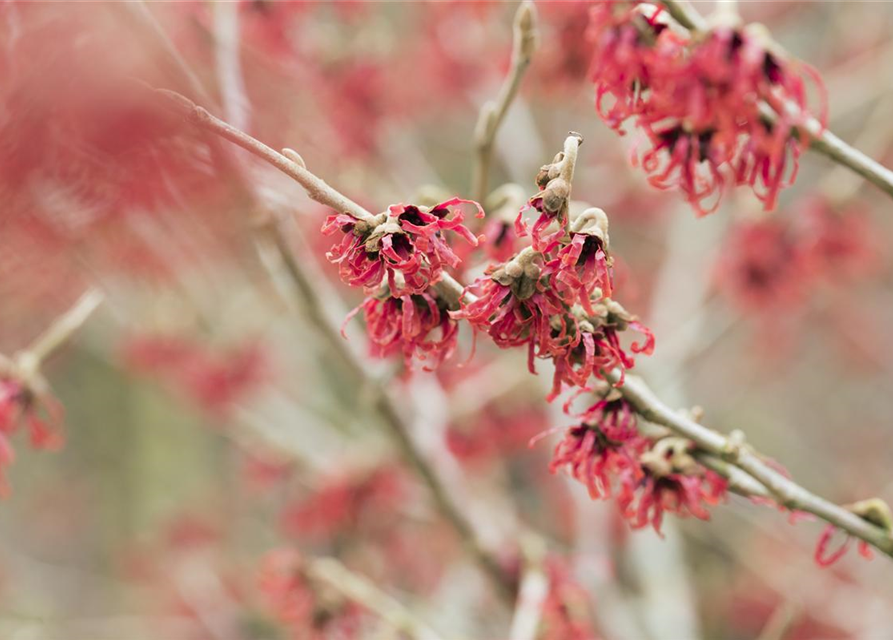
column 735, row 443
column 875, row 511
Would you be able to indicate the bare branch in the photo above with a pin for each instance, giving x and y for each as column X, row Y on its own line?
column 316, row 188
column 321, row 192
column 364, row 592
column 60, row 332
column 782, row 489
column 532, row 593
column 493, row 112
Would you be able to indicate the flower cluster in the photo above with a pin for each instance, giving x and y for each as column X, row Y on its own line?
column 396, row 257
column 715, row 108
column 554, row 300
column 606, row 452
column 408, row 325
column 403, row 247
column 20, row 406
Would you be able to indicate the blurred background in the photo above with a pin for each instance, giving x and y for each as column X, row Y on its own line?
column 207, row 424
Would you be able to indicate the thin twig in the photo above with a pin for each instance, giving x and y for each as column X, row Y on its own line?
column 532, row 593
column 316, row 188
column 783, row 490
column 493, row 112
column 60, row 331
column 387, row 410
column 363, row 591
column 821, row 140
column 321, row 192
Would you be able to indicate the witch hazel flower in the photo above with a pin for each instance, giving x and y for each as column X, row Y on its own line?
column 404, row 247
column 500, row 239
column 762, row 267
column 717, row 108
column 631, row 44
column 513, row 304
column 605, row 443
column 40, row 415
column 565, row 611
column 417, row 326
column 668, row 480
column 589, row 344
column 583, row 264
column 838, row 243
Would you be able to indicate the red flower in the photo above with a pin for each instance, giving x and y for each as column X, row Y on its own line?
column 701, row 102
column 20, row 405
column 497, row 430
column 513, row 304
column 668, row 482
column 605, row 444
column 837, row 244
column 500, row 242
column 631, row 46
column 343, row 502
column 581, row 268
column 406, row 324
column 404, row 246
column 519, row 304
column 586, row 346
column 761, row 267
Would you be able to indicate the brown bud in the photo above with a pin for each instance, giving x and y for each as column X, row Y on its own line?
column 593, row 221
column 555, row 195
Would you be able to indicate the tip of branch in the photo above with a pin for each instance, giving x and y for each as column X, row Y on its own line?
column 525, row 29
column 180, row 103
column 295, row 157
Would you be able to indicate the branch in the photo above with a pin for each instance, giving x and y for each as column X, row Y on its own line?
column 780, row 488
column 58, row 333
column 532, row 593
column 493, row 112
column 389, row 414
column 820, row 139
column 318, row 190
column 364, row 592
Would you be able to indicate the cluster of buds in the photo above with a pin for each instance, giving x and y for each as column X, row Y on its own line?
column 553, row 296
column 397, row 257
column 607, row 453
column 717, row 107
